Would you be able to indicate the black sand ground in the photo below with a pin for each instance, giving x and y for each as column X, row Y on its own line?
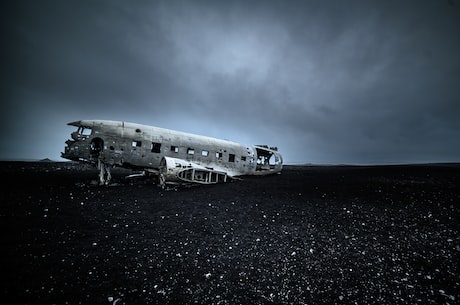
column 311, row 235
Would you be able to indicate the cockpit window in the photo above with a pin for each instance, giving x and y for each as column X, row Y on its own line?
column 84, row 131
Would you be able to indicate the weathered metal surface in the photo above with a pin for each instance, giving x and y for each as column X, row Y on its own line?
column 137, row 146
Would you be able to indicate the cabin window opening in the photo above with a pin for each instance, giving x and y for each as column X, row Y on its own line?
column 218, row 155
column 111, row 147
column 138, row 130
column 174, row 149
column 156, row 147
column 243, row 158
column 190, row 151
column 204, row 153
column 136, row 143
column 231, row 158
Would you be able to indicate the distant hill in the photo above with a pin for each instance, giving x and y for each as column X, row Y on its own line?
column 46, row 160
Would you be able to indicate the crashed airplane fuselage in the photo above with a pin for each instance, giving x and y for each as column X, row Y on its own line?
column 173, row 156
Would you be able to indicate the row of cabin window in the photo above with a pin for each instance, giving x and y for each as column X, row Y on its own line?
column 156, row 148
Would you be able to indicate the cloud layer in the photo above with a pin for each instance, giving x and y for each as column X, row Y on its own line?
column 330, row 82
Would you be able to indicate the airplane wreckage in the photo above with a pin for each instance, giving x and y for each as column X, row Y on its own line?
column 173, row 157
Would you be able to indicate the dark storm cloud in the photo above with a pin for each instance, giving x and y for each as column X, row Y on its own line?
column 84, row 52
column 330, row 82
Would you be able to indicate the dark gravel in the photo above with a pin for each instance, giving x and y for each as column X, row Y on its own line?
column 311, row 235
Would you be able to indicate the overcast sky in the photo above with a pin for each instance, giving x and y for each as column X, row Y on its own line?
column 356, row 82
